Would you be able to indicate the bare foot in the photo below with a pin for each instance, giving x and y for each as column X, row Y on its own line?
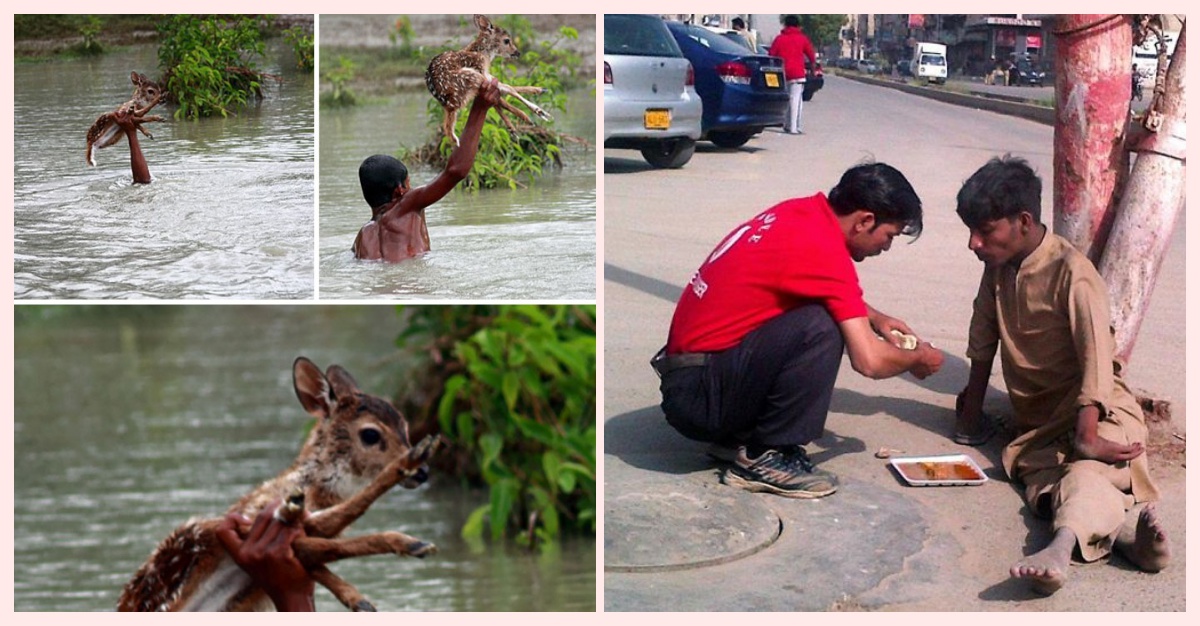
column 1143, row 540
column 1047, row 568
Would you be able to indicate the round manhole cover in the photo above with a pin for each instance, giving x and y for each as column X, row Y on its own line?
column 683, row 524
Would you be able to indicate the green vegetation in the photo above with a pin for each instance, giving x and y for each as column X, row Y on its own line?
column 514, row 389
column 822, row 28
column 206, row 63
column 342, row 95
column 403, row 33
column 89, row 29
column 510, row 159
column 302, row 42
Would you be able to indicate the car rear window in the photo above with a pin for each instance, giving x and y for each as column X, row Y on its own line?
column 714, row 41
column 638, row 35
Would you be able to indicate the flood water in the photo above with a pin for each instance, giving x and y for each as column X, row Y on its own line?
column 229, row 213
column 130, row 420
column 538, row 242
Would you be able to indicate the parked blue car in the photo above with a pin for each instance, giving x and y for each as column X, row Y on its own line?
column 742, row 92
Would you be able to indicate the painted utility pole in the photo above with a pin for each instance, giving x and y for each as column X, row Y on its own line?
column 1091, row 89
column 1150, row 204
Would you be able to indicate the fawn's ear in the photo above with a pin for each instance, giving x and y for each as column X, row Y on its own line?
column 483, row 23
column 312, row 388
column 133, row 77
column 343, row 383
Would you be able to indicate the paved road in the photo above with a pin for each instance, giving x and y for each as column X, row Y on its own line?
column 876, row 544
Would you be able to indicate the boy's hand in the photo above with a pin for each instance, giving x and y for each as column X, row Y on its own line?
column 929, row 360
column 266, row 555
column 489, row 93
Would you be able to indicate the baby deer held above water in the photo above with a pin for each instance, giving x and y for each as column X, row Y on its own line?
column 453, row 77
column 357, row 451
column 105, row 131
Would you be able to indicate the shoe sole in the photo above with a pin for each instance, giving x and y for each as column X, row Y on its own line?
column 735, row 480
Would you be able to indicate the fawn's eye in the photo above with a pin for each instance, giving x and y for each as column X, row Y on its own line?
column 507, row 41
column 369, row 436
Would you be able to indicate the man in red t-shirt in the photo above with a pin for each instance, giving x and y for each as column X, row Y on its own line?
column 758, row 333
column 793, row 47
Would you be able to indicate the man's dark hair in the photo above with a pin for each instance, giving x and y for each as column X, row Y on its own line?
column 741, row 23
column 882, row 190
column 791, row 20
column 1002, row 189
column 379, row 176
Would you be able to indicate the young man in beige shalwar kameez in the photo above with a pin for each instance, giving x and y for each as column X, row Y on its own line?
column 1080, row 448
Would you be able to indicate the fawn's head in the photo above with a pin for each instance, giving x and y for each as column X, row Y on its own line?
column 145, row 91
column 492, row 40
column 357, row 435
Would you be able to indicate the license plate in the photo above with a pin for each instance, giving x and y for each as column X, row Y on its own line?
column 658, row 119
column 772, row 80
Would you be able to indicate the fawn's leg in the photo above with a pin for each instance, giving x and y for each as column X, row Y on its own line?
column 146, row 120
column 346, row 593
column 313, row 551
column 516, row 93
column 335, row 519
column 448, row 121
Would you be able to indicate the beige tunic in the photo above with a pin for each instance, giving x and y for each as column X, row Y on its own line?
column 1050, row 318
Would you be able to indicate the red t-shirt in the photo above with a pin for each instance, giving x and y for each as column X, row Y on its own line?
column 787, row 256
column 793, row 46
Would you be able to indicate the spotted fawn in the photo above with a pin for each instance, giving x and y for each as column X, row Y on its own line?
column 455, row 76
column 356, row 452
column 106, row 132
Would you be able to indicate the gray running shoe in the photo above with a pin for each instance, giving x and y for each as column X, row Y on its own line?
column 786, row 471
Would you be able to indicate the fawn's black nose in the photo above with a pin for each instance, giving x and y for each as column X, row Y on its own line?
column 417, row 479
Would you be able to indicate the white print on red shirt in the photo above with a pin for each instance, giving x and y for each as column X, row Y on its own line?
column 699, row 287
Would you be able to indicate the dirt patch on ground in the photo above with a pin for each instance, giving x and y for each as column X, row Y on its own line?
column 365, row 42
column 121, row 37
column 371, row 31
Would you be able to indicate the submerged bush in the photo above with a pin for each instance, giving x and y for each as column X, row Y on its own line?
column 206, row 63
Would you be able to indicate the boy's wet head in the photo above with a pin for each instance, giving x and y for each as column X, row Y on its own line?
column 379, row 176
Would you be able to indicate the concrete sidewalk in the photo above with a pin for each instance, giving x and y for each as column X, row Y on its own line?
column 677, row 539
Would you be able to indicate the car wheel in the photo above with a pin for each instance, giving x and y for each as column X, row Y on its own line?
column 730, row 138
column 670, row 154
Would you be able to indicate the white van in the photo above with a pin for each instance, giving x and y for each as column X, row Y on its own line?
column 929, row 62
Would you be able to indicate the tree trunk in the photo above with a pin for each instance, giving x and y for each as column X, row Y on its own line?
column 1148, row 207
column 1092, row 89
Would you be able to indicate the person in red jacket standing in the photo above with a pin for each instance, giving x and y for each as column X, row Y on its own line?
column 793, row 47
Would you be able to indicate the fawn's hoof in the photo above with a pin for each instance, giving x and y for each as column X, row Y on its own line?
column 422, row 549
column 364, row 607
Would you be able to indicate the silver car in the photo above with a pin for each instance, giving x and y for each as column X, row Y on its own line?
column 650, row 101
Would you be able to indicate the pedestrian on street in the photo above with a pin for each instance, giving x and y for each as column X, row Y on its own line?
column 793, row 47
column 758, row 334
column 750, row 36
column 1079, row 454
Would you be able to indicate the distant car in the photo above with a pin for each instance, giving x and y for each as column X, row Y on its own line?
column 1024, row 73
column 866, row 67
column 650, row 99
column 743, row 92
column 845, row 63
column 904, row 67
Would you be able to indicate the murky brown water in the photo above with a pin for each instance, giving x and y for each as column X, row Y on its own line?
column 229, row 213
column 130, row 420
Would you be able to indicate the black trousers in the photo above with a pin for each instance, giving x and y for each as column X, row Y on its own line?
column 771, row 389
